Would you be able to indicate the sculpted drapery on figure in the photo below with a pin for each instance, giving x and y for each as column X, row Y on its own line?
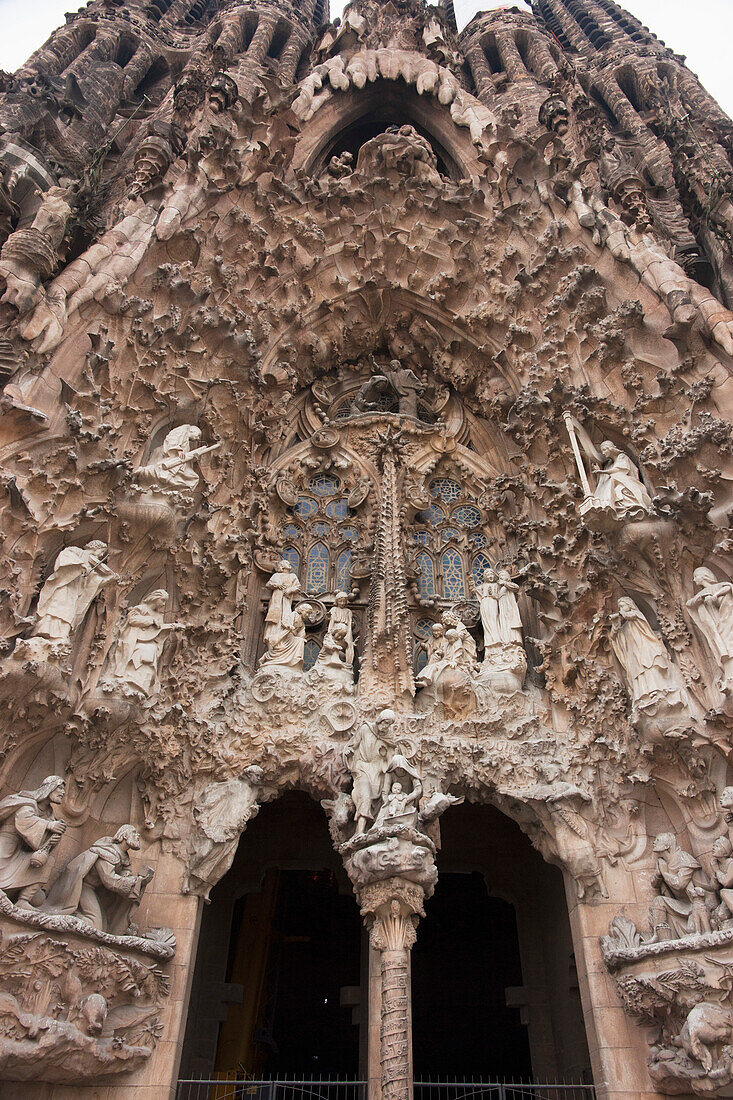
column 367, row 758
column 284, row 625
column 79, row 575
column 134, row 666
column 500, row 616
column 341, row 615
column 98, row 886
column 171, row 468
column 619, row 488
column 712, row 609
column 644, row 659
column 678, row 880
column 221, row 813
column 28, row 833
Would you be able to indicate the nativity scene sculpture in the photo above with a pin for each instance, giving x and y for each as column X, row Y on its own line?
column 29, row 831
column 711, row 609
column 133, row 667
column 171, row 472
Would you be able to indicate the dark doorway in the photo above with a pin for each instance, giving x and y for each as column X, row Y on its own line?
column 465, row 957
column 279, row 950
column 294, row 1016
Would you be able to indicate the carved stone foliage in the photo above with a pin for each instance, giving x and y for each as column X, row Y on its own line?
column 315, row 426
column 72, row 1009
column 682, row 994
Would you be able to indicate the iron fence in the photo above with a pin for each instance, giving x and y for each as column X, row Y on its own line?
column 234, row 1086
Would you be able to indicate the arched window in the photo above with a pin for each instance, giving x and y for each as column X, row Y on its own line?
column 319, row 544
column 310, row 653
column 450, row 540
column 426, row 579
column 316, row 579
column 291, row 554
column 454, row 583
column 421, row 631
column 480, row 563
column 343, row 571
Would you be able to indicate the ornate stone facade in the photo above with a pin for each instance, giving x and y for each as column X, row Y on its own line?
column 366, row 431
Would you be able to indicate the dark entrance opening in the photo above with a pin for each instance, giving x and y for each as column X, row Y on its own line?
column 461, row 1023
column 277, row 983
column 299, row 1025
column 495, row 987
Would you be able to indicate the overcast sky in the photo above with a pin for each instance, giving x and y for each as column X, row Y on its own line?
column 703, row 31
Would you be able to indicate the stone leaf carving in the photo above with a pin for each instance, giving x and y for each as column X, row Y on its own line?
column 70, row 1009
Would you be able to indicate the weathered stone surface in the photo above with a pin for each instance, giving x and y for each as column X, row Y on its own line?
column 366, row 426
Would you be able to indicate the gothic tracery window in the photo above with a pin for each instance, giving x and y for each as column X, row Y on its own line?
column 318, row 541
column 451, row 545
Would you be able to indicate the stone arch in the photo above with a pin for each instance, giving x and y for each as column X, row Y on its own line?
column 380, row 104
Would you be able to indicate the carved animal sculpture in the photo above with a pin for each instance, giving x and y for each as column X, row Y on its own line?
column 706, row 1023
column 94, row 1013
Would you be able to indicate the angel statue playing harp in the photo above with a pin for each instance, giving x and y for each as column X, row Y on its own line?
column 619, row 488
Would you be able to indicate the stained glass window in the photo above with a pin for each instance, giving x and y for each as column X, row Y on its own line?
column 422, row 659
column 348, row 533
column 305, row 507
column 445, row 488
column 291, row 554
column 343, row 571
column 426, row 580
column 317, row 576
column 480, row 562
column 432, row 516
column 423, row 538
column 466, row 515
column 479, row 540
column 338, row 509
column 321, row 528
column 423, row 628
column 310, row 653
column 291, row 531
column 449, row 533
column 454, row 585
column 324, row 486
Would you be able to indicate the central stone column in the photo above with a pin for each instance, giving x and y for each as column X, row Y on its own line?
column 392, row 909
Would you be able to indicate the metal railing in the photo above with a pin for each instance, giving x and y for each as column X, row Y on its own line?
column 234, row 1086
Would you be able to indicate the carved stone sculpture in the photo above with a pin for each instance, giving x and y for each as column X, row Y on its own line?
column 341, row 615
column 649, row 671
column 367, row 757
column 30, row 255
column 98, row 886
column 29, row 831
column 79, row 575
column 619, row 489
column 400, row 149
column 284, row 626
column 133, row 669
column 171, row 469
column 712, row 610
column 677, row 878
column 400, row 795
column 500, row 616
column 221, row 814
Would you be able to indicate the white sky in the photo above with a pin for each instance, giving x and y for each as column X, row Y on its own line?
column 703, row 31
